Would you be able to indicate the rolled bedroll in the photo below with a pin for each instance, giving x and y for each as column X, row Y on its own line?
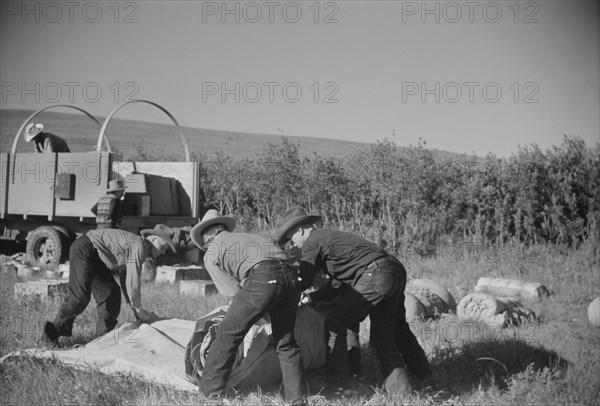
column 492, row 310
column 594, row 312
column 528, row 291
column 426, row 299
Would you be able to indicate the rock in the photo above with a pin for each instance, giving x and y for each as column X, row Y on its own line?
column 594, row 312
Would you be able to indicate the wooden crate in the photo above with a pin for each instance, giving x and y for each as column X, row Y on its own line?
column 178, row 273
column 42, row 287
column 198, row 288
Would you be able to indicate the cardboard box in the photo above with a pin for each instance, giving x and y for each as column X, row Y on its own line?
column 179, row 273
column 198, row 288
column 43, row 287
column 136, row 183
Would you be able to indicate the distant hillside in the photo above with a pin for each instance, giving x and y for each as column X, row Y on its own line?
column 82, row 134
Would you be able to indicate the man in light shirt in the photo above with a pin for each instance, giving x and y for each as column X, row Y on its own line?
column 94, row 257
column 259, row 276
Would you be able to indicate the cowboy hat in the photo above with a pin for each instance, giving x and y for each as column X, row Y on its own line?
column 211, row 218
column 116, row 184
column 32, row 131
column 294, row 218
column 151, row 234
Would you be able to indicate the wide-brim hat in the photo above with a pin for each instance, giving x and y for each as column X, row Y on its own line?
column 116, row 184
column 32, row 131
column 294, row 218
column 211, row 218
column 158, row 231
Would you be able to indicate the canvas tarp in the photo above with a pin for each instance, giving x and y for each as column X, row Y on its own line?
column 156, row 352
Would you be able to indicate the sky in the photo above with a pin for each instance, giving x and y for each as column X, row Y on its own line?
column 465, row 76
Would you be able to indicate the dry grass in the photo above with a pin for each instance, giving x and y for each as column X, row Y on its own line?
column 555, row 361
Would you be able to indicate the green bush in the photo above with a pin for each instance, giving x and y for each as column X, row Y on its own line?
column 414, row 197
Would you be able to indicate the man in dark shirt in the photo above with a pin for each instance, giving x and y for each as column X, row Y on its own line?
column 43, row 141
column 376, row 282
column 108, row 208
column 258, row 275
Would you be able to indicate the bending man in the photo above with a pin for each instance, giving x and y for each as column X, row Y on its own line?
column 256, row 273
column 376, row 283
column 93, row 259
column 44, row 142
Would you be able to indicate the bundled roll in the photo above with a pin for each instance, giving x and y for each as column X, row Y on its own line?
column 594, row 312
column 501, row 287
column 493, row 310
column 425, row 299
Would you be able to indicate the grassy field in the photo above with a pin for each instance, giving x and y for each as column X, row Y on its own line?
column 553, row 362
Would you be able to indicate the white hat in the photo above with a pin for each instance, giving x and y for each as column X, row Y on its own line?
column 116, row 184
column 160, row 244
column 157, row 237
column 32, row 130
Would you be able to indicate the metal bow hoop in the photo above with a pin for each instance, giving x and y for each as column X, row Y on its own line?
column 112, row 113
column 16, row 140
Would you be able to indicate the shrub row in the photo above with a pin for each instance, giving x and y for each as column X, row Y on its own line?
column 415, row 197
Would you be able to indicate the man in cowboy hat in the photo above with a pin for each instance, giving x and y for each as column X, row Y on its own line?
column 108, row 208
column 376, row 282
column 94, row 257
column 43, row 141
column 257, row 274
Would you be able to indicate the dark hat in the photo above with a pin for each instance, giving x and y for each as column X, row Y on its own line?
column 211, row 218
column 162, row 231
column 294, row 218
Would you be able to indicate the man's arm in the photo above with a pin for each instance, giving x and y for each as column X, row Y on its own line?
column 48, row 145
column 133, row 283
column 136, row 255
column 226, row 283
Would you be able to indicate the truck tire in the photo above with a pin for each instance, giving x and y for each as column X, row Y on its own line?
column 45, row 246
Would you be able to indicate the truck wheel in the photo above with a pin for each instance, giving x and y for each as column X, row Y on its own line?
column 45, row 246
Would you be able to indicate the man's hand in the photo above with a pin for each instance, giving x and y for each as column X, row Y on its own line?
column 305, row 299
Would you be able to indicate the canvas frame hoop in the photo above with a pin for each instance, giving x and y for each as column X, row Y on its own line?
column 28, row 119
column 112, row 113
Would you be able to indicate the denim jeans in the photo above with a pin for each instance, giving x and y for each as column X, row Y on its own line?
column 271, row 289
column 378, row 293
column 89, row 276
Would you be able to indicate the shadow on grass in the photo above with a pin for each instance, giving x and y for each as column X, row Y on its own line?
column 484, row 364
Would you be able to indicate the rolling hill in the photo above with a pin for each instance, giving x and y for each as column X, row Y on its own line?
column 82, row 134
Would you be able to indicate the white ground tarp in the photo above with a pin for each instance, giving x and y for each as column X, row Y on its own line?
column 156, row 352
